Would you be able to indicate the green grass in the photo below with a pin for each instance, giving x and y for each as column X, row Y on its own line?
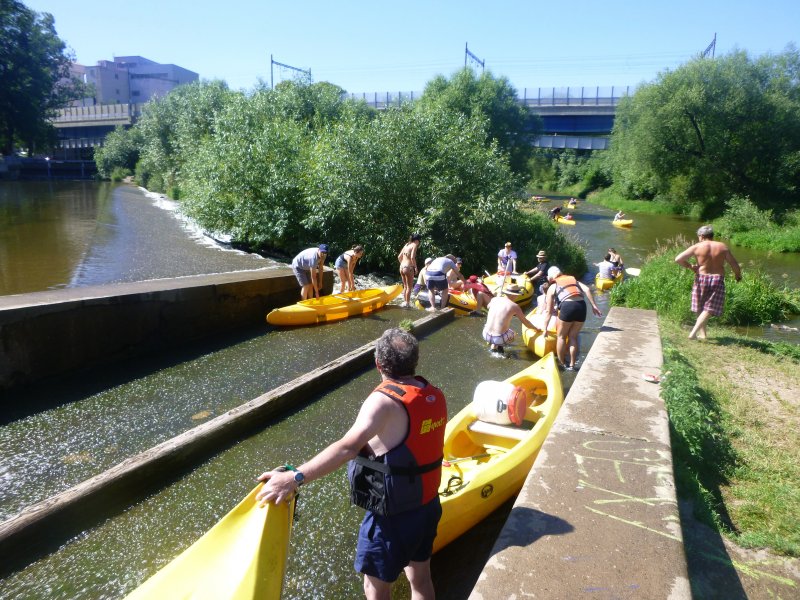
column 609, row 198
column 735, row 435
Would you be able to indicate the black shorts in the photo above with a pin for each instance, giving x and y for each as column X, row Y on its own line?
column 572, row 311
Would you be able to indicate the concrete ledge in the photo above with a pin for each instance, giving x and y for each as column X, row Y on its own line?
column 50, row 333
column 598, row 515
column 49, row 523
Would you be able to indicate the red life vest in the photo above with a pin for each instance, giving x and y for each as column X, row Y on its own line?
column 408, row 475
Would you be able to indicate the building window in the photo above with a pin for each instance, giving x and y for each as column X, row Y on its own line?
column 136, row 93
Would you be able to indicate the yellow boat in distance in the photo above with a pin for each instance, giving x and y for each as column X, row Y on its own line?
column 540, row 199
column 486, row 463
column 622, row 223
column 334, row 307
column 564, row 221
column 540, row 342
column 601, row 283
column 506, row 281
column 242, row 557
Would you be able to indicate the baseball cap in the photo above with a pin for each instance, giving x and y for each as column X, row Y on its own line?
column 323, row 248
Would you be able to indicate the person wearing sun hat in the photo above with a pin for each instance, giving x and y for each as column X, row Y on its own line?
column 308, row 267
column 538, row 274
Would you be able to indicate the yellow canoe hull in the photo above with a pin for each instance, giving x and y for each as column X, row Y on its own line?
column 623, row 223
column 601, row 283
column 539, row 342
column 496, row 281
column 242, row 557
column 563, row 221
column 493, row 467
column 463, row 302
column 334, row 307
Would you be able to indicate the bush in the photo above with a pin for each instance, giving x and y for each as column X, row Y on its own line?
column 120, row 173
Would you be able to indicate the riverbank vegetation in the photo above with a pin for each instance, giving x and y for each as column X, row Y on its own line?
column 283, row 169
column 731, row 401
column 698, row 140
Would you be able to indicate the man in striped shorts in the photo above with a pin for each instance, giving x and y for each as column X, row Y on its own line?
column 708, row 291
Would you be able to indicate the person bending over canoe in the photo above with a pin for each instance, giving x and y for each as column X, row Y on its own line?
column 437, row 279
column 708, row 291
column 480, row 291
column 455, row 278
column 568, row 295
column 421, row 278
column 497, row 330
column 397, row 440
column 308, row 267
column 555, row 213
column 345, row 266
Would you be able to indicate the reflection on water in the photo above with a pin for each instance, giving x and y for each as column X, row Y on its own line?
column 113, row 558
column 45, row 230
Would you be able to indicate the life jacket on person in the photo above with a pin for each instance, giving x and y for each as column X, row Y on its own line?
column 566, row 288
column 408, row 475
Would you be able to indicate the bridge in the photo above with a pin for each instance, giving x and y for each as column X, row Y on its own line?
column 573, row 117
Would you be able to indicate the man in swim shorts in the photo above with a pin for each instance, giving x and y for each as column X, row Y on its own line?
column 708, row 291
column 497, row 331
column 308, row 268
column 397, row 440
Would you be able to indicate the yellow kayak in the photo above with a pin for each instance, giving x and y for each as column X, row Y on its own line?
column 540, row 199
column 565, row 221
column 242, row 556
column 463, row 302
column 507, row 282
column 601, row 283
column 485, row 463
column 540, row 342
column 334, row 307
column 623, row 223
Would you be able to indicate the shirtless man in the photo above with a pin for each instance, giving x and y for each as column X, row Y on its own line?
column 497, row 330
column 708, row 291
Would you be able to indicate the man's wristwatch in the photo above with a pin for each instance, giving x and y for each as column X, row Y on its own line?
column 299, row 478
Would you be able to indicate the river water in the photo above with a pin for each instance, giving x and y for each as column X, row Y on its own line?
column 63, row 435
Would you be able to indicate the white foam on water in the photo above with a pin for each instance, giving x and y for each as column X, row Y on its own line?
column 219, row 241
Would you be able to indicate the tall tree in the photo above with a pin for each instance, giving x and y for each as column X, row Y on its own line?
column 711, row 129
column 34, row 75
column 494, row 99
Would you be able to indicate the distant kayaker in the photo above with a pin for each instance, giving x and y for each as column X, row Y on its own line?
column 436, row 279
column 569, row 296
column 708, row 291
column 616, row 258
column 395, row 449
column 619, row 216
column 308, row 267
column 408, row 266
column 507, row 259
column 538, row 274
column 572, row 203
column 497, row 331
column 606, row 268
column 345, row 266
column 555, row 213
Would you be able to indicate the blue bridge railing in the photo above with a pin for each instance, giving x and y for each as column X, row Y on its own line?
column 555, row 96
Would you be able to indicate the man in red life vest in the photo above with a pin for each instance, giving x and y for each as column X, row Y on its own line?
column 396, row 442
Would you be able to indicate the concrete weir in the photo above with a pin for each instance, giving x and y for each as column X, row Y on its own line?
column 598, row 514
column 49, row 523
column 46, row 334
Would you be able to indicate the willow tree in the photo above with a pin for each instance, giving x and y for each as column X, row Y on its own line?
column 711, row 129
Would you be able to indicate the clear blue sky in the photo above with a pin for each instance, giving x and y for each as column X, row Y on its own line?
column 399, row 46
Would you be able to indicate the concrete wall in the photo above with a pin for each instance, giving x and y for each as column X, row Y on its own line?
column 46, row 334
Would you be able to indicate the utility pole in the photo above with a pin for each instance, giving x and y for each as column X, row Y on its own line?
column 272, row 63
column 468, row 54
column 712, row 47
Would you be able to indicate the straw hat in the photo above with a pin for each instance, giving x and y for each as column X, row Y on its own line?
column 542, row 254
